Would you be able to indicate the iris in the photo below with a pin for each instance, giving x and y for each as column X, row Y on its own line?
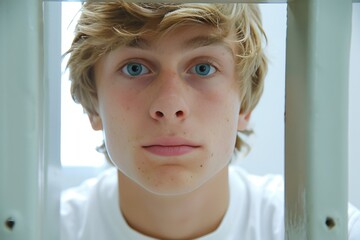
column 135, row 69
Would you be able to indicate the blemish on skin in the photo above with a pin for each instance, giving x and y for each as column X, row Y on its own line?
column 201, row 165
column 212, row 155
column 227, row 120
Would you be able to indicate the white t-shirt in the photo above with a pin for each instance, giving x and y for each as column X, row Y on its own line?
column 256, row 211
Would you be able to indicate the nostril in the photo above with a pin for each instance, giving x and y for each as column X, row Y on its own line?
column 159, row 114
column 179, row 113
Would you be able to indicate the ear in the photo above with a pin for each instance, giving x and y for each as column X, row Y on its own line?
column 96, row 122
column 243, row 121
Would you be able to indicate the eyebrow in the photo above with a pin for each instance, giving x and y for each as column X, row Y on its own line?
column 203, row 41
column 193, row 43
column 140, row 43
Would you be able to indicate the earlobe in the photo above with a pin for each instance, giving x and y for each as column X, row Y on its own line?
column 96, row 122
column 243, row 121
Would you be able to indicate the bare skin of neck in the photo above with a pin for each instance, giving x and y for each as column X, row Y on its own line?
column 187, row 216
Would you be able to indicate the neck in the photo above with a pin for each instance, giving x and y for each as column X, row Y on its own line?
column 186, row 216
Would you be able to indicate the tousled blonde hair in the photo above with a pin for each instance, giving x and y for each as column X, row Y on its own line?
column 103, row 26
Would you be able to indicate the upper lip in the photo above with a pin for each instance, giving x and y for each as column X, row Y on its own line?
column 171, row 141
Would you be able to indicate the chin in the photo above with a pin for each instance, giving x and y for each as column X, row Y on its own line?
column 172, row 191
column 172, row 185
column 179, row 184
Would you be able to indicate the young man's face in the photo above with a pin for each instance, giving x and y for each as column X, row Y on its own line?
column 169, row 109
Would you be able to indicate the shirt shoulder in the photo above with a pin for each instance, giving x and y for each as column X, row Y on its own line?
column 79, row 205
column 268, row 188
column 267, row 195
column 260, row 204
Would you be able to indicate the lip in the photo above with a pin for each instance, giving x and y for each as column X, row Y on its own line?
column 170, row 146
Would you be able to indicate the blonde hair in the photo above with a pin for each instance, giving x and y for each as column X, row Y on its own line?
column 103, row 26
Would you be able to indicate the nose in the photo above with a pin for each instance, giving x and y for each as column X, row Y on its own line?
column 169, row 103
column 169, row 108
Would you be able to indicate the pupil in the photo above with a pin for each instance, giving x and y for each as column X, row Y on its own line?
column 135, row 68
column 202, row 68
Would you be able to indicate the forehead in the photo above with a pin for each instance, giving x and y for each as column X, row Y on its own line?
column 189, row 37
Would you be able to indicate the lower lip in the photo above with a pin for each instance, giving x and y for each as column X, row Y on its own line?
column 168, row 151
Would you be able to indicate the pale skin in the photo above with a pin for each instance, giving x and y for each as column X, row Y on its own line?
column 170, row 110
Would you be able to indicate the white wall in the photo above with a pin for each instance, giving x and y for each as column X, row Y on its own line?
column 267, row 120
column 354, row 110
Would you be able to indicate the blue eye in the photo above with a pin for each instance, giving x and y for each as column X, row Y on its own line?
column 134, row 69
column 203, row 69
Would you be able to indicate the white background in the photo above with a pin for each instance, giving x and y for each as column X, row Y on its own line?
column 80, row 159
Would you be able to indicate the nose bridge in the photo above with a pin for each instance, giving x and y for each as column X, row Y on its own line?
column 171, row 85
column 169, row 100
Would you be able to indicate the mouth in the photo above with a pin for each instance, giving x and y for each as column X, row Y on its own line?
column 171, row 147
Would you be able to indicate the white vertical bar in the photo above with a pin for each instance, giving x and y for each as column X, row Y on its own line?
column 21, row 87
column 318, row 42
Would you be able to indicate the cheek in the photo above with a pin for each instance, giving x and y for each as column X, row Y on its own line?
column 222, row 122
column 119, row 107
column 120, row 128
column 224, row 133
column 222, row 109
